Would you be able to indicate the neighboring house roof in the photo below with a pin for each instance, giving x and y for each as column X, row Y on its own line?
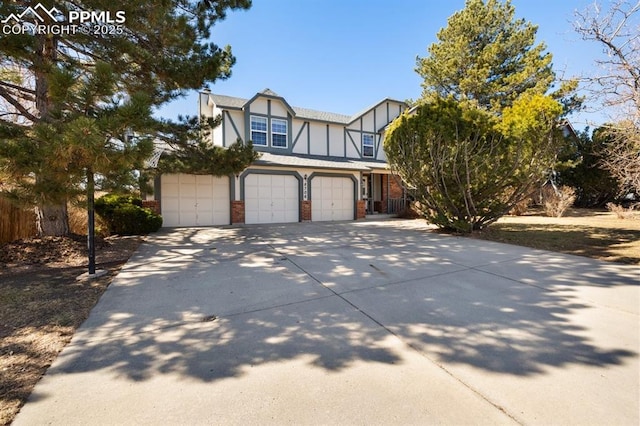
column 231, row 102
column 319, row 162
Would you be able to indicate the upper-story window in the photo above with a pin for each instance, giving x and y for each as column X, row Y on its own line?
column 278, row 133
column 367, row 145
column 259, row 130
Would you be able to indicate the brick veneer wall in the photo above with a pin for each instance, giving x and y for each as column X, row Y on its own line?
column 395, row 187
column 305, row 210
column 237, row 212
column 391, row 188
column 153, row 205
column 361, row 211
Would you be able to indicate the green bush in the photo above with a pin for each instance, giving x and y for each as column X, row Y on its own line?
column 468, row 167
column 125, row 215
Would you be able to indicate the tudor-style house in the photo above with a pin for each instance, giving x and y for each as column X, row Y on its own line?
column 314, row 166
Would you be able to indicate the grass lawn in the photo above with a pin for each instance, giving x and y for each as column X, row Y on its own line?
column 42, row 304
column 591, row 233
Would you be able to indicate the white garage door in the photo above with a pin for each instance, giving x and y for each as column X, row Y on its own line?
column 271, row 198
column 194, row 200
column 332, row 198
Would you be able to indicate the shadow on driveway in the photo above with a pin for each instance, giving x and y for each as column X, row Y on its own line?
column 276, row 295
column 517, row 327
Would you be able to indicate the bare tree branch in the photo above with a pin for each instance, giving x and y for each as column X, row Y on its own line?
column 618, row 31
column 4, row 93
column 18, row 88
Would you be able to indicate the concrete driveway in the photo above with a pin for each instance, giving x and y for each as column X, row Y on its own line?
column 350, row 323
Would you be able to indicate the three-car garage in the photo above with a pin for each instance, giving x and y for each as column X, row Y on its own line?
column 205, row 200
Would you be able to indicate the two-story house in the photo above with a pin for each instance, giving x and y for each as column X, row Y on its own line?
column 314, row 165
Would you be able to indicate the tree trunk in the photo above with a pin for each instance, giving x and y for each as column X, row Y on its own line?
column 51, row 216
column 52, row 220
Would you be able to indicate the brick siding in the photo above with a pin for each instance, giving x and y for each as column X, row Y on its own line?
column 237, row 212
column 305, row 211
column 153, row 205
column 361, row 211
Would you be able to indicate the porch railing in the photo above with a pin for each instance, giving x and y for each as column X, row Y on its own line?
column 396, row 205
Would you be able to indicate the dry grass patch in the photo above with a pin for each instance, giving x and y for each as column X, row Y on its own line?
column 596, row 234
column 43, row 304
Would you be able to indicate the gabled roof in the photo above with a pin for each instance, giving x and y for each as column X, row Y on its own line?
column 268, row 93
column 231, row 102
column 354, row 117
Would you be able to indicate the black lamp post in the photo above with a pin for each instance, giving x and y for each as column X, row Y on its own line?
column 91, row 246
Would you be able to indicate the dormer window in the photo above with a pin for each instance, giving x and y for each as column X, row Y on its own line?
column 259, row 130
column 367, row 145
column 278, row 133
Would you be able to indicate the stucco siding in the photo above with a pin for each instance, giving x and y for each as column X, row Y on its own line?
column 395, row 110
column 318, row 139
column 379, row 154
column 353, row 144
column 299, row 137
column 381, row 115
column 259, row 106
column 354, row 125
column 205, row 107
column 234, row 118
column 278, row 109
column 309, row 132
column 367, row 122
column 336, row 141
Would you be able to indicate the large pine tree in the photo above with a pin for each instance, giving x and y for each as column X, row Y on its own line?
column 486, row 56
column 484, row 132
column 76, row 103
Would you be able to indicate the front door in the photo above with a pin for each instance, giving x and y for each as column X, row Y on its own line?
column 366, row 191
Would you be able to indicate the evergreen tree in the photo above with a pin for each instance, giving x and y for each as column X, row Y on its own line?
column 76, row 103
column 580, row 168
column 485, row 130
column 487, row 57
column 466, row 167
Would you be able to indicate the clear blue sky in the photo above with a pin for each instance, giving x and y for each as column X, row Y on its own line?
column 344, row 55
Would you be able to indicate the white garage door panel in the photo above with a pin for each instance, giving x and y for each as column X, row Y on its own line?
column 271, row 198
column 188, row 216
column 332, row 198
column 195, row 200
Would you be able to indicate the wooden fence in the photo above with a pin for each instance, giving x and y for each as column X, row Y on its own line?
column 15, row 222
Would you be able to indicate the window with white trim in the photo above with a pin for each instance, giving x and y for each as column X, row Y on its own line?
column 367, row 145
column 278, row 133
column 259, row 130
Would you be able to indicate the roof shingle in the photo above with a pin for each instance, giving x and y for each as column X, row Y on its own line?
column 304, row 113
